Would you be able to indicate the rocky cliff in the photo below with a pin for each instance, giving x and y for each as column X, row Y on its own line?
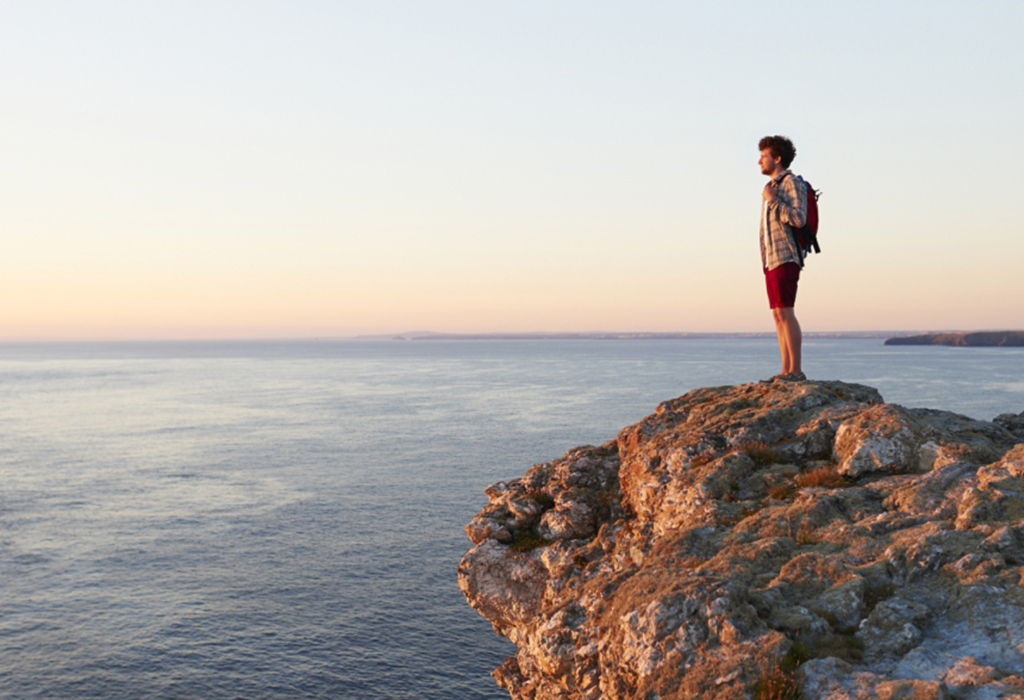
column 769, row 540
column 980, row 339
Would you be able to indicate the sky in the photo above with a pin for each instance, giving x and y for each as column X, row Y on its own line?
column 301, row 168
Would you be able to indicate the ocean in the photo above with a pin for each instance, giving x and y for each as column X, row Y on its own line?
column 283, row 519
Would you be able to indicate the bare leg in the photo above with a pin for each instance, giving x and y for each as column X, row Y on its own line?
column 782, row 341
column 787, row 328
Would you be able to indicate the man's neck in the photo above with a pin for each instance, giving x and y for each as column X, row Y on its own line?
column 777, row 173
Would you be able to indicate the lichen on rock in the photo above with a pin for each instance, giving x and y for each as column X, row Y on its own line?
column 765, row 540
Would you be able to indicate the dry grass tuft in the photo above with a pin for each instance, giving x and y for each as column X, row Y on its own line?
column 777, row 685
column 824, row 477
column 703, row 458
column 761, row 453
column 780, row 684
column 807, row 538
column 782, row 492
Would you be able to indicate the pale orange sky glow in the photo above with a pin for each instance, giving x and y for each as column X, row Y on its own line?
column 317, row 170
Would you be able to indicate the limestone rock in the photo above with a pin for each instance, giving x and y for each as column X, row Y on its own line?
column 758, row 539
column 881, row 438
column 1012, row 422
column 559, row 500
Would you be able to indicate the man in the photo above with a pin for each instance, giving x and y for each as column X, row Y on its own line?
column 784, row 207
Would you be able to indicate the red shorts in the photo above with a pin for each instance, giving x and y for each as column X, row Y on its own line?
column 781, row 282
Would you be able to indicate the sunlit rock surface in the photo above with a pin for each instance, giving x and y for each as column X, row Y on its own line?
column 760, row 541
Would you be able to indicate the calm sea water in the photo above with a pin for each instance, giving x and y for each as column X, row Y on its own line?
column 284, row 519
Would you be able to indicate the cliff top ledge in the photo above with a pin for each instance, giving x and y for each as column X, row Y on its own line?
column 766, row 540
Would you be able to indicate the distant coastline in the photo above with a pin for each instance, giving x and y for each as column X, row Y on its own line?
column 610, row 335
column 980, row 339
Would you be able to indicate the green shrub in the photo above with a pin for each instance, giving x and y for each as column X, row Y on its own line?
column 526, row 541
column 544, row 500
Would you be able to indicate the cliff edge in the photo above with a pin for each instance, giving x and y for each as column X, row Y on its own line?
column 768, row 540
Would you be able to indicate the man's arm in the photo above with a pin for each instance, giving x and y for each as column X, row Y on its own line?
column 790, row 199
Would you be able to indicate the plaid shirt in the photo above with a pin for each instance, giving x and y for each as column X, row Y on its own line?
column 787, row 211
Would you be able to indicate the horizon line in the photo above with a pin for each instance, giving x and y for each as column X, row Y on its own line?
column 500, row 335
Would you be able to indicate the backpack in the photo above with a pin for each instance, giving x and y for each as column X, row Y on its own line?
column 807, row 235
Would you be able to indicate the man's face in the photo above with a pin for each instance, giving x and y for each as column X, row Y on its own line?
column 768, row 162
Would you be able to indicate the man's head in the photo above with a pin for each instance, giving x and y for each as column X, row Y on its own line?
column 777, row 152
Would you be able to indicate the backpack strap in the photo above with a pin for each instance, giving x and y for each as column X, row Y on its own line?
column 806, row 232
column 794, row 237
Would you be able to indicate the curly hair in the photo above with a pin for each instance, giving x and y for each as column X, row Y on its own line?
column 780, row 147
